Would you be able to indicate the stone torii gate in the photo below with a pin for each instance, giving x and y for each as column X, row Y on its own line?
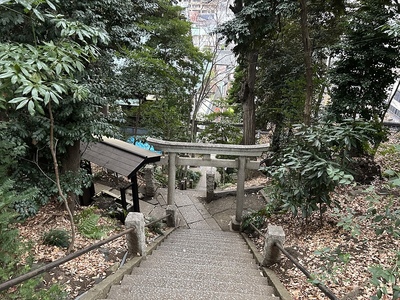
column 173, row 150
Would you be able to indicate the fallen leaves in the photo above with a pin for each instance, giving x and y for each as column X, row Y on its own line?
column 79, row 274
column 364, row 250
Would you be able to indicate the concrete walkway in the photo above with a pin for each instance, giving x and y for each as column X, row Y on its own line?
column 192, row 209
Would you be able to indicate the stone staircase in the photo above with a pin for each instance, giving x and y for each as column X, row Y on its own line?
column 196, row 264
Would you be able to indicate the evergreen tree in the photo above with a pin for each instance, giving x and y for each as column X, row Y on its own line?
column 365, row 65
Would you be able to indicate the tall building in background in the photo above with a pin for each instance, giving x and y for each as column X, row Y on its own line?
column 205, row 16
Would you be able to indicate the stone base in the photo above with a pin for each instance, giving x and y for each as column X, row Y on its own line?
column 235, row 225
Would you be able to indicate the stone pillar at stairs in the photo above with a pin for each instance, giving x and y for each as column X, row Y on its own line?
column 272, row 254
column 136, row 238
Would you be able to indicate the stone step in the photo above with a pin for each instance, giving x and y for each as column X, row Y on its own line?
column 156, row 293
column 242, row 246
column 206, row 232
column 243, row 277
column 244, row 252
column 203, row 261
column 196, row 264
column 203, row 248
column 214, row 256
column 188, row 266
column 140, row 281
column 205, row 241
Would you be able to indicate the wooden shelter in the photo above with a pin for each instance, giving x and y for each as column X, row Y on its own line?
column 121, row 157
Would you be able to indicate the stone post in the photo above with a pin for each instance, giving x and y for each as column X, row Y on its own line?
column 149, row 180
column 210, row 180
column 272, row 254
column 172, row 219
column 171, row 177
column 136, row 238
column 241, row 177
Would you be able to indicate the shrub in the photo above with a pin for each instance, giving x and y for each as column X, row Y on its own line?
column 87, row 223
column 184, row 172
column 56, row 237
column 313, row 163
column 155, row 227
column 12, row 249
column 256, row 218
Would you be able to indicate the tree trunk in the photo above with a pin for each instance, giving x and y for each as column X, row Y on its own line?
column 308, row 62
column 53, row 150
column 249, row 112
column 71, row 163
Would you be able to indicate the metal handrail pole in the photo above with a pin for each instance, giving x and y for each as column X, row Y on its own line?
column 278, row 244
column 56, row 263
column 158, row 220
column 321, row 286
column 258, row 230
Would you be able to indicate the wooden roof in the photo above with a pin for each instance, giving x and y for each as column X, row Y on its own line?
column 118, row 156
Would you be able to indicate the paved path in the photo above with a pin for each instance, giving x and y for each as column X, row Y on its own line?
column 193, row 211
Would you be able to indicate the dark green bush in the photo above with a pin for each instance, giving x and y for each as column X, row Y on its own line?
column 313, row 163
column 155, row 227
column 87, row 223
column 12, row 249
column 57, row 237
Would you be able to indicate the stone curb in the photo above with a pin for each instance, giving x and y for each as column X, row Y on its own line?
column 100, row 290
column 251, row 189
column 273, row 279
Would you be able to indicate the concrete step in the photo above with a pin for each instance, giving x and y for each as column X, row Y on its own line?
column 204, row 248
column 154, row 272
column 158, row 293
column 203, row 261
column 245, row 251
column 217, row 256
column 207, row 244
column 205, row 241
column 241, row 247
column 209, row 232
column 196, row 264
column 206, row 232
column 188, row 266
column 141, row 281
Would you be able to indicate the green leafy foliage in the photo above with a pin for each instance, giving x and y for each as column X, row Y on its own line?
column 256, row 218
column 160, row 176
column 12, row 249
column 188, row 174
column 313, row 163
column 44, row 57
column 347, row 221
column 9, row 234
column 26, row 208
column 384, row 218
column 155, row 227
column 87, row 224
column 392, row 172
column 163, row 120
column 220, row 125
column 57, row 237
column 333, row 261
column 365, row 65
column 386, row 280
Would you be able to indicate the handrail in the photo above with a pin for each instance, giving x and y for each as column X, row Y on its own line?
column 7, row 284
column 319, row 285
column 158, row 220
column 12, row 282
